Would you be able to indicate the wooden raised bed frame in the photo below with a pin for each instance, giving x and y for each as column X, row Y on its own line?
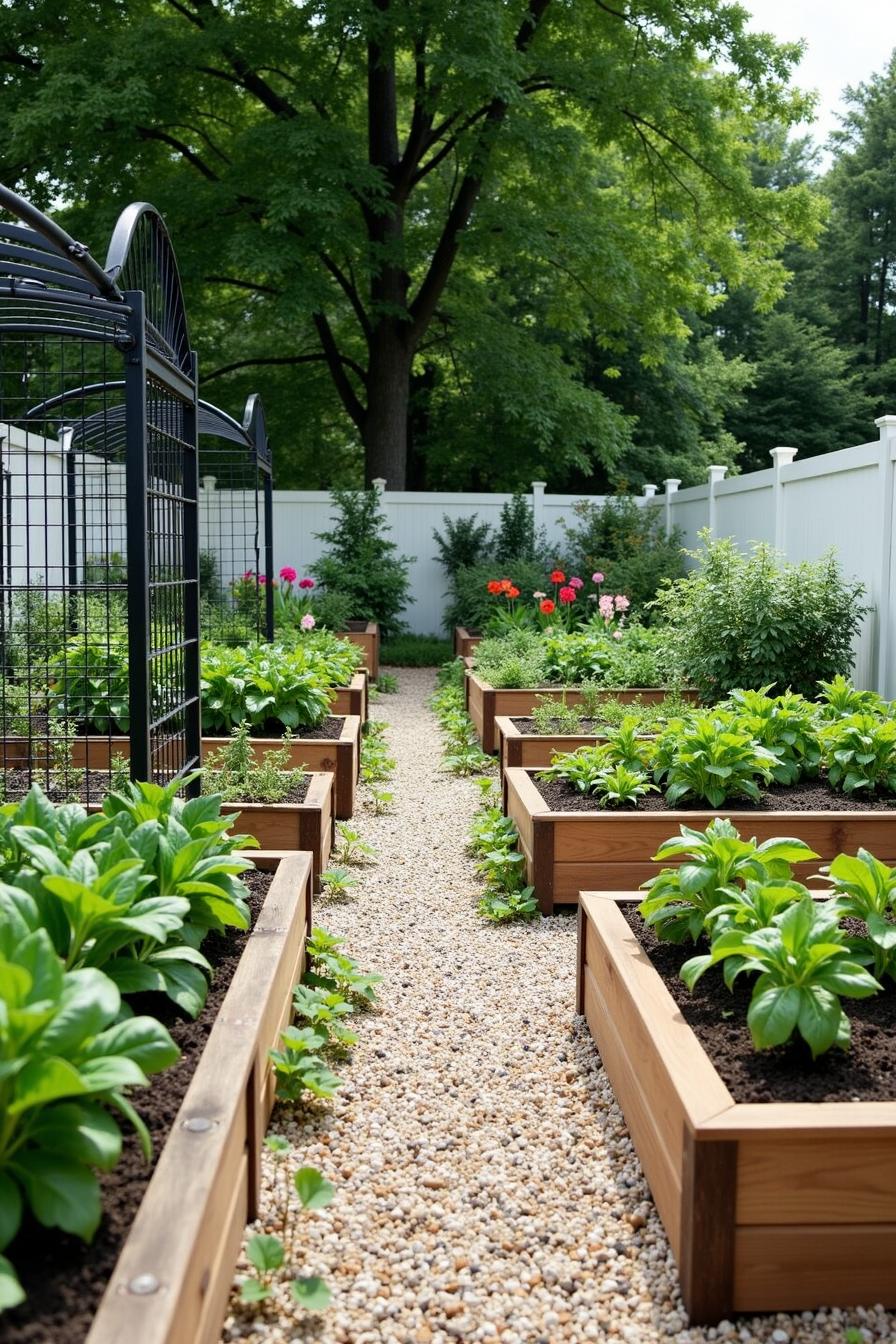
column 366, row 634
column 353, row 698
column 535, row 750
column 569, row 852
column 287, row 827
column 782, row 1206
column 484, row 702
column 173, row 1278
column 465, row 641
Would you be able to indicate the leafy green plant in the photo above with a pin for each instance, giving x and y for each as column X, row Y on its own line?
column 582, row 769
column 351, row 847
column 67, row 1062
column 239, row 777
column 784, row 724
column 499, row 907
column 333, row 970
column 415, row 651
column 269, row 1254
column 517, row 659
column 713, row 758
column 324, row 1010
column 626, row 542
column 556, row 717
column 803, row 967
column 465, row 542
column 865, row 889
column 493, row 840
column 622, row 787
column 754, row 620
column 840, row 699
column 859, row 753
column 261, row 684
column 381, row 800
column 15, row 708
column 377, row 766
column 681, row 900
column 362, row 564
column 337, row 883
column 89, row 683
column 387, row 683
column 299, row 1066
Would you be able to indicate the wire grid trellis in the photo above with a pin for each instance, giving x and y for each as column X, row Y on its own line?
column 98, row 535
column 236, row 531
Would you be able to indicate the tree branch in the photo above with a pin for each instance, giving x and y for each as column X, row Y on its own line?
column 153, row 133
column 436, row 277
column 255, row 286
column 350, row 292
column 335, row 363
column 315, row 358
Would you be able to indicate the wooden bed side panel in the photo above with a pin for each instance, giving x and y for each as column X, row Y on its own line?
column 785, row 1180
column 803, row 1267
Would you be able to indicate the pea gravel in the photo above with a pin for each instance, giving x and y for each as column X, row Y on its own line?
column 486, row 1187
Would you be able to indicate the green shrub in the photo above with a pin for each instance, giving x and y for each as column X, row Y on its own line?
column 469, row 601
column 516, row 659
column 415, row 651
column 466, row 542
column 754, row 620
column 89, row 682
column 626, row 542
column 361, row 564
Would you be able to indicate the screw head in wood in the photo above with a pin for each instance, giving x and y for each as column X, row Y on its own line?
column 198, row 1124
column 142, row 1285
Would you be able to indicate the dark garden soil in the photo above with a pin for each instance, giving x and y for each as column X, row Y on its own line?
column 65, row 1279
column 813, row 796
column 297, row 794
column 866, row 1072
column 329, row 729
column 587, row 728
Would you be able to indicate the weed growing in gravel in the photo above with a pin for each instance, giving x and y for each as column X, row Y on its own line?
column 270, row 1255
column 387, row 684
column 333, row 970
column 350, row 846
column 337, row 883
column 493, row 842
column 463, row 755
column 377, row 766
column 380, row 800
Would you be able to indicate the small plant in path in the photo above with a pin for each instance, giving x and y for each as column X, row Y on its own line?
column 269, row 1255
column 387, row 683
column 351, row 848
column 380, row 800
column 337, row 882
column 493, row 841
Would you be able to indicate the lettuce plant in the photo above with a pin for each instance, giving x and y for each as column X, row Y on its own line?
column 784, row 724
column 622, row 787
column 261, row 684
column 803, row 967
column 839, row 699
column 67, row 1062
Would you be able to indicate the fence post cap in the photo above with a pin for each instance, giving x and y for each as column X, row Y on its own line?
column 717, row 473
column 539, row 485
column 379, row 483
column 672, row 483
column 886, row 423
column 781, row 456
column 650, row 491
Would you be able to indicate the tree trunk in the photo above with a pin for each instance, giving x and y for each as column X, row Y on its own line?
column 385, row 429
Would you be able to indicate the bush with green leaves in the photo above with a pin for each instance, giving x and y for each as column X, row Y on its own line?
column 16, row 707
column 787, row 725
column 465, row 542
column 89, row 683
column 469, row 603
column 712, row 865
column 266, row 685
column 755, row 620
column 361, row 564
column 69, row 1060
column 517, row 659
column 709, row 756
column 626, row 542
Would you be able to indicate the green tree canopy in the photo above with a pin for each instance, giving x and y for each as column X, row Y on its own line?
column 375, row 196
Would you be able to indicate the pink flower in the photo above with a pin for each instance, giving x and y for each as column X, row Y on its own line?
column 249, row 574
column 307, row 622
column 622, row 603
column 262, row 578
column 577, row 583
column 597, row 578
column 306, row 583
column 288, row 574
column 605, row 607
column 567, row 595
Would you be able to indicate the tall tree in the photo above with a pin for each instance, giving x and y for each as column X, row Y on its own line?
column 330, row 167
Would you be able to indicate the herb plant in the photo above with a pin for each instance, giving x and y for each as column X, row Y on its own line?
column 239, row 777
column 556, row 717
column 865, row 889
column 621, row 787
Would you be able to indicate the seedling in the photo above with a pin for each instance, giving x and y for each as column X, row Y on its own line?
column 351, row 847
column 337, row 883
column 268, row 1254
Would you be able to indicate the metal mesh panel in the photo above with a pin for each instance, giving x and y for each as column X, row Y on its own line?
column 233, row 543
column 63, row 585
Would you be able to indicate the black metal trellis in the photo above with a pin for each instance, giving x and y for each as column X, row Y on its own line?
column 99, row 587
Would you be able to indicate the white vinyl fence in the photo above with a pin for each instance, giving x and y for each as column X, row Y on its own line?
column 842, row 500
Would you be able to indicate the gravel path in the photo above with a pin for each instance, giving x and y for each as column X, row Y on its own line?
column 486, row 1185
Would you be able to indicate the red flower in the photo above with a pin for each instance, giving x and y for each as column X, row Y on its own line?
column 558, row 576
column 513, row 592
column 506, row 585
column 567, row 595
column 494, row 586
column 547, row 606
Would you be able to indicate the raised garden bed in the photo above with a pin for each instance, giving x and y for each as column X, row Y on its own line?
column 353, row 698
column 465, row 641
column 285, row 827
column 338, row 753
column 167, row 1261
column 571, row 851
column 366, row 634
column 485, row 702
column 768, row 1206
column 535, row 750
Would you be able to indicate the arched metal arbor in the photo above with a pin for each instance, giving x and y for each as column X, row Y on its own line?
column 236, row 538
column 100, row 627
